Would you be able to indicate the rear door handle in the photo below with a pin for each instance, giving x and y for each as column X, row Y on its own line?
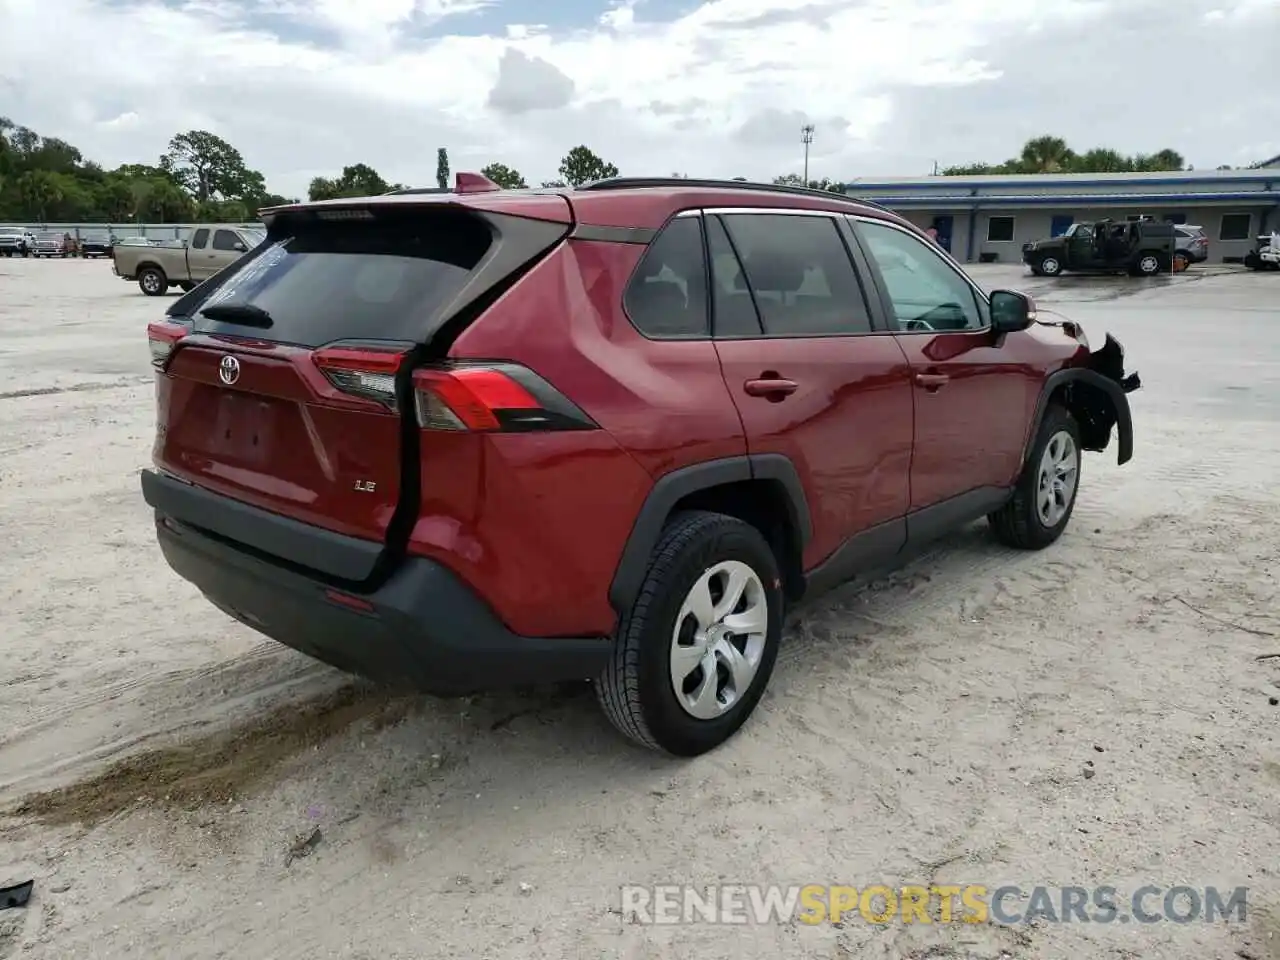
column 932, row 381
column 774, row 388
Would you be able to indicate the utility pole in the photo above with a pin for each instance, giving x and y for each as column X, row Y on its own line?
column 806, row 137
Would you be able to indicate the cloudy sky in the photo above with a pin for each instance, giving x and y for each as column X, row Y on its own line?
column 718, row 88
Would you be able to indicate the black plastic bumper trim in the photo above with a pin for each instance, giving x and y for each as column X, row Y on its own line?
column 333, row 554
column 425, row 628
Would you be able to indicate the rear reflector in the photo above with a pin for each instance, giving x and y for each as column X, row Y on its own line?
column 348, row 601
column 161, row 339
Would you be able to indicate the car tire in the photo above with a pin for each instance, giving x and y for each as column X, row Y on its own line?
column 1045, row 494
column 1050, row 266
column 186, row 286
column 153, row 282
column 1147, row 265
column 661, row 642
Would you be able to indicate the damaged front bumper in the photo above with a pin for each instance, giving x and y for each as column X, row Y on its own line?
column 1098, row 396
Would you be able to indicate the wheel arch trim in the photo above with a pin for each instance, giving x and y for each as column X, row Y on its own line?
column 1114, row 393
column 672, row 487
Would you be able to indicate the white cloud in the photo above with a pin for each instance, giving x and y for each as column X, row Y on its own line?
column 302, row 86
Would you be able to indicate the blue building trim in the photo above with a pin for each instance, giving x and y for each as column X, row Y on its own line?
column 1048, row 180
column 970, row 202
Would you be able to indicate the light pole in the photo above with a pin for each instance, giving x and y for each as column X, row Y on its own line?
column 806, row 137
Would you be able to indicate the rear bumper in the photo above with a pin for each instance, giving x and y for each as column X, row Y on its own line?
column 424, row 627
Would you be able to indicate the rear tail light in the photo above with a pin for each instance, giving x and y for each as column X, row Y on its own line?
column 486, row 398
column 161, row 339
column 370, row 374
column 467, row 396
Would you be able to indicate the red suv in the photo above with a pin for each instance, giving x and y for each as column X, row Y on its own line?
column 485, row 438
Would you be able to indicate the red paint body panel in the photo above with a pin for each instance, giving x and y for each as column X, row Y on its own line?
column 664, row 401
column 534, row 521
column 281, row 438
column 970, row 432
column 847, row 428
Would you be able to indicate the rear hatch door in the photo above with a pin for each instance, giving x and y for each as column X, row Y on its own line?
column 286, row 391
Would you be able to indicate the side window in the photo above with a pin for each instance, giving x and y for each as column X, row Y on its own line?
column 667, row 295
column 224, row 240
column 200, row 238
column 733, row 310
column 927, row 293
column 799, row 273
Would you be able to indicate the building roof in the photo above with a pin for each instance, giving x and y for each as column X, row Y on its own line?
column 1022, row 181
column 968, row 201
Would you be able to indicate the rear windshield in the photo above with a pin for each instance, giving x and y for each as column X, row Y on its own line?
column 353, row 279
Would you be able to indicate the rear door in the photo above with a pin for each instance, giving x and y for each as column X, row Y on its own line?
column 811, row 378
column 287, row 392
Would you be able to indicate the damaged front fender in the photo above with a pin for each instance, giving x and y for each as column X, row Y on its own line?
column 1096, row 393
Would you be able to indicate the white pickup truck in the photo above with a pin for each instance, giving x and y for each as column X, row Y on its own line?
column 1266, row 256
column 184, row 263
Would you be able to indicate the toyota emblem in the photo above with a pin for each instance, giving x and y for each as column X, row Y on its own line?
column 229, row 370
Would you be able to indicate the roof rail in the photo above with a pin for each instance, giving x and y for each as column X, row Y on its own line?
column 623, row 183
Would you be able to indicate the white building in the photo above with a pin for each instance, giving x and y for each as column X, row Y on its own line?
column 991, row 217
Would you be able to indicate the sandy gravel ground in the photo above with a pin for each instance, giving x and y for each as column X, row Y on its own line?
column 1093, row 714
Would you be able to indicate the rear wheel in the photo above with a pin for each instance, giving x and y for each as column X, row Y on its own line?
column 693, row 655
column 1045, row 493
column 1148, row 264
column 152, row 281
column 186, row 286
column 1050, row 266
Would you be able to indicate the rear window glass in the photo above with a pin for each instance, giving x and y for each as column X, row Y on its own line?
column 352, row 279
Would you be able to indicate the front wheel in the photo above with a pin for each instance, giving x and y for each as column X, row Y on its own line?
column 1050, row 266
column 693, row 655
column 1045, row 494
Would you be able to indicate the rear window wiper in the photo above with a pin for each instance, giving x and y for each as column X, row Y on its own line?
column 242, row 313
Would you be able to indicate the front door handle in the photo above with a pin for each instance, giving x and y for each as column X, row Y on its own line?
column 932, row 381
column 775, row 388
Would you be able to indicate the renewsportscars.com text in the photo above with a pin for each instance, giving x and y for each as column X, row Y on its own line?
column 968, row 903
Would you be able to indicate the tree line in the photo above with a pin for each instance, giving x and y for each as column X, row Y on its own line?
column 1050, row 154
column 578, row 166
column 202, row 177
column 199, row 177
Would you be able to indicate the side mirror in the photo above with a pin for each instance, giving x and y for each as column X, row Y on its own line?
column 239, row 247
column 1011, row 311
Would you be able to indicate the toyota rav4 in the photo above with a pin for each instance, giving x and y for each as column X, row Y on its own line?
column 488, row 438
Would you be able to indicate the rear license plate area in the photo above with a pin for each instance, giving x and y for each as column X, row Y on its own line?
column 244, row 428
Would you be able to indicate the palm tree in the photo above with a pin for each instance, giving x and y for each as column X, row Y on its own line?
column 1046, row 155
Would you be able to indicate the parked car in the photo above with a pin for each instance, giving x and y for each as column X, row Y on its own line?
column 96, row 245
column 14, row 243
column 1139, row 247
column 1192, row 244
column 1266, row 254
column 183, row 264
column 49, row 245
column 487, row 438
